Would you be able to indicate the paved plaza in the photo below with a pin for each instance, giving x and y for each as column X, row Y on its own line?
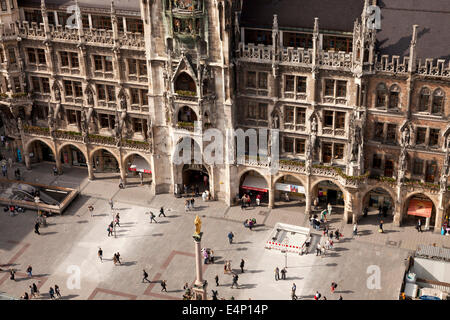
column 67, row 248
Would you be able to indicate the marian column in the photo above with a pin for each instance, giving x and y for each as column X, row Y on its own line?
column 199, row 289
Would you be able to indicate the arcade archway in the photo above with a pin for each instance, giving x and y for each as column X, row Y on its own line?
column 253, row 184
column 378, row 204
column 289, row 192
column 195, row 178
column 138, row 170
column 419, row 206
column 40, row 151
column 71, row 155
column 327, row 192
column 105, row 164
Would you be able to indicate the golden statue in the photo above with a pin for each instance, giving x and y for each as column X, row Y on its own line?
column 198, row 225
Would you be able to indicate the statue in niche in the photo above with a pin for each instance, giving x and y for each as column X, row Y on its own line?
column 117, row 130
column 51, row 119
column 123, row 102
column 356, row 143
column 83, row 120
column 90, row 97
column 19, row 124
column 403, row 161
column 276, row 121
column 57, row 94
column 447, row 142
column 314, row 129
column 406, row 135
column 443, row 183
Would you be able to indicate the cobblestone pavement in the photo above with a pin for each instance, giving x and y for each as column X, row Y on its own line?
column 68, row 247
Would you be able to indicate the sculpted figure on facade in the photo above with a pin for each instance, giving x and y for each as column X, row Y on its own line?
column 406, row 136
column 275, row 121
column 57, row 93
column 90, row 97
column 443, row 183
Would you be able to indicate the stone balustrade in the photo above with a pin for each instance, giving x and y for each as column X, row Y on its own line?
column 257, row 53
column 136, row 145
column 132, row 40
column 61, row 33
column 335, row 59
column 432, row 68
column 99, row 36
column 291, row 55
column 392, row 64
column 36, row 131
column 68, row 135
column 102, row 140
column 31, row 30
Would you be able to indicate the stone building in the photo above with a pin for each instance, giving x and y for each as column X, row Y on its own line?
column 363, row 113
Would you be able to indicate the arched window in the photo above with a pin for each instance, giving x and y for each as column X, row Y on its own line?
column 394, row 94
column 186, row 114
column 438, row 101
column 424, row 99
column 381, row 96
column 185, row 85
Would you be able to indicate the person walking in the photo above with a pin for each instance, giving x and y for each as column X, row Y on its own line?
column 230, row 237
column 235, row 281
column 355, row 229
column 12, row 274
column 30, row 271
column 25, row 296
column 145, row 276
column 118, row 258
column 161, row 212
column 419, row 225
column 91, row 210
column 163, row 285
column 58, row 293
column 115, row 259
column 277, row 274
column 100, row 254
column 216, row 278
column 186, row 205
column 283, row 274
column 333, row 286
column 214, row 293
column 4, row 170
column 293, row 295
column 192, row 203
column 32, row 294
column 381, row 227
column 117, row 220
column 242, row 265
column 258, row 199
column 51, row 292
column 318, row 249
column 337, row 234
column 10, row 162
column 110, row 230
column 152, row 217
column 211, row 256
column 36, row 228
column 111, row 203
column 329, row 209
column 317, row 295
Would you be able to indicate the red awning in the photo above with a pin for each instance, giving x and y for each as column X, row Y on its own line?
column 140, row 165
column 255, row 183
column 421, row 208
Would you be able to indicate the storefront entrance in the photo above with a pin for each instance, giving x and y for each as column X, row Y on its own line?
column 195, row 176
column 72, row 156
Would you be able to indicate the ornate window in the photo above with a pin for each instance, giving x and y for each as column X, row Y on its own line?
column 424, row 99
column 394, row 93
column 381, row 96
column 185, row 84
column 289, row 114
column 438, row 101
column 433, row 140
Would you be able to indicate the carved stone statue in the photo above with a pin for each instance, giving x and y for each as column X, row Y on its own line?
column 90, row 97
column 83, row 120
column 447, row 142
column 356, row 143
column 443, row 183
column 123, row 102
column 149, row 129
column 198, row 225
column 406, row 135
column 314, row 125
column 276, row 121
column 57, row 94
column 403, row 162
column 19, row 124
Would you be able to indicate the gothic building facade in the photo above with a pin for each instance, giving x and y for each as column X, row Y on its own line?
column 362, row 110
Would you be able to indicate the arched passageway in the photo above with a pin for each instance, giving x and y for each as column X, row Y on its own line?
column 377, row 205
column 138, row 170
column 289, row 192
column 105, row 164
column 254, row 185
column 327, row 192
column 419, row 206
column 40, row 151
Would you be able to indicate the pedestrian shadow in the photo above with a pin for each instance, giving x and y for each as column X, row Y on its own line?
column 83, row 221
column 173, row 216
column 241, row 249
column 242, row 242
column 331, row 264
column 128, row 263
column 48, row 233
column 157, row 234
column 364, row 232
column 163, row 222
column 344, row 291
column 126, row 223
column 337, row 249
column 200, row 207
column 331, row 255
column 248, row 286
column 70, row 296
column 175, row 291
column 100, row 215
column 389, row 231
column 253, row 271
column 306, row 297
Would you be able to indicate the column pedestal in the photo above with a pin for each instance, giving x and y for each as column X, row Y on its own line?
column 198, row 289
column 90, row 171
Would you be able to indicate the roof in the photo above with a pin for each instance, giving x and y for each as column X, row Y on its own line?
column 432, row 252
column 131, row 5
column 398, row 18
column 334, row 15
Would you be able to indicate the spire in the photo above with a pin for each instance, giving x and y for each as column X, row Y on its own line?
column 275, row 22
column 412, row 50
column 113, row 8
column 316, row 26
column 43, row 7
